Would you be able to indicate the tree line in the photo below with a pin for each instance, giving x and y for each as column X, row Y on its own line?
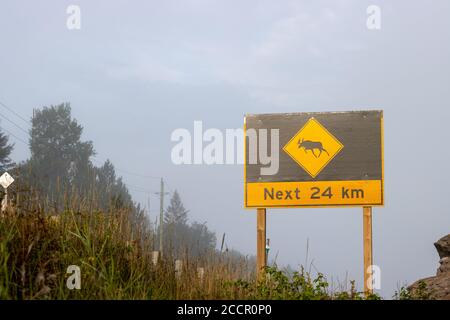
column 61, row 173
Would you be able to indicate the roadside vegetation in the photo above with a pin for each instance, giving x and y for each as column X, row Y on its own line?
column 64, row 210
column 116, row 263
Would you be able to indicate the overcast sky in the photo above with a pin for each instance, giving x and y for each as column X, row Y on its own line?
column 137, row 70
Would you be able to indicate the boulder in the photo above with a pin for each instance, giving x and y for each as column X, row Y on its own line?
column 443, row 246
column 444, row 265
column 437, row 287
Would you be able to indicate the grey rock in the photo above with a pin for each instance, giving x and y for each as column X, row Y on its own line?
column 443, row 246
column 444, row 266
column 437, row 287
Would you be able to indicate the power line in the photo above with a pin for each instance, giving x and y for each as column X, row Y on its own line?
column 26, row 132
column 15, row 124
column 15, row 113
column 41, row 139
column 171, row 190
column 137, row 188
column 99, row 161
column 16, row 137
column 22, row 129
column 137, row 174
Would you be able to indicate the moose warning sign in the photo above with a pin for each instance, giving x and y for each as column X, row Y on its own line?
column 315, row 159
column 307, row 147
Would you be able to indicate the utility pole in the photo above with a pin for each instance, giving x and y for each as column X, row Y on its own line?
column 161, row 218
column 161, row 215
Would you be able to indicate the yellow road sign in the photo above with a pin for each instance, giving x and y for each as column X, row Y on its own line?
column 313, row 147
column 324, row 159
column 316, row 193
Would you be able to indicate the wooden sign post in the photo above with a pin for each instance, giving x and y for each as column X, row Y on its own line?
column 368, row 258
column 261, row 257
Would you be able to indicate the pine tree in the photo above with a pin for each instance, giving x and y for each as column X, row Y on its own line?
column 5, row 151
column 175, row 212
column 180, row 236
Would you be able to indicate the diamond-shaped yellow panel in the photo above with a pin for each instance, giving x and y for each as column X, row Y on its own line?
column 313, row 147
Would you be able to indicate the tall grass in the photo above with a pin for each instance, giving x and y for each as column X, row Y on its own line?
column 115, row 260
column 116, row 263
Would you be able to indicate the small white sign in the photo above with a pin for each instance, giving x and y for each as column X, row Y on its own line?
column 6, row 180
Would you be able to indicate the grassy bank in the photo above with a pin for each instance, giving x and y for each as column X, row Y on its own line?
column 116, row 263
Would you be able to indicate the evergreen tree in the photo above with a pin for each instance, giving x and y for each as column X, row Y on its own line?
column 5, row 151
column 180, row 237
column 201, row 239
column 175, row 212
column 59, row 159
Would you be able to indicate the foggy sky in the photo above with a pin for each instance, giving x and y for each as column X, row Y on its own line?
column 137, row 70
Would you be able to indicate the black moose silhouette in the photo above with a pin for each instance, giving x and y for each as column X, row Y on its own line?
column 312, row 145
